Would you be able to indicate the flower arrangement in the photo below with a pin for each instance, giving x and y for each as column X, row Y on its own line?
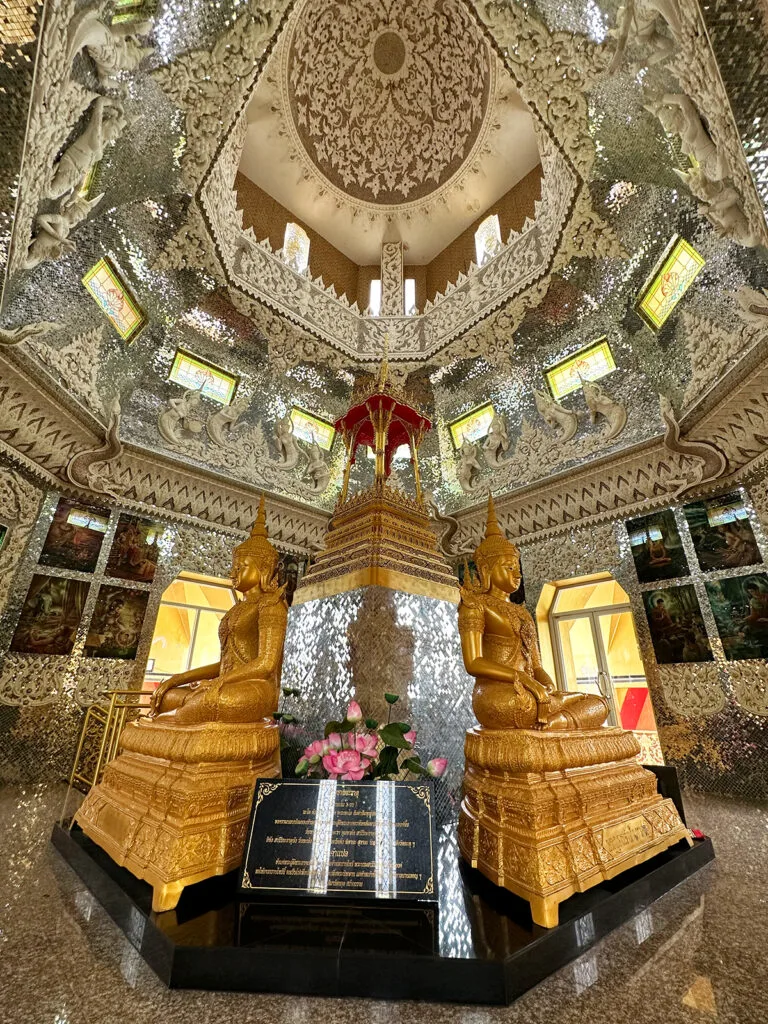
column 360, row 748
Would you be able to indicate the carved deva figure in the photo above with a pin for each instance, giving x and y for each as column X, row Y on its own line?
column 545, row 780
column 498, row 642
column 173, row 806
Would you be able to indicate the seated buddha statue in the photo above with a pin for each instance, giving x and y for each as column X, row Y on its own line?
column 242, row 687
column 499, row 646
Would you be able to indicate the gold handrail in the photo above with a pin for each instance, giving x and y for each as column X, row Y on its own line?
column 109, row 717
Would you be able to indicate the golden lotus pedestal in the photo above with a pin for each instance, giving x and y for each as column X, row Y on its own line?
column 182, row 818
column 549, row 814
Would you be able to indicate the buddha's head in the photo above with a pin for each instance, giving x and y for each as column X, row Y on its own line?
column 497, row 559
column 254, row 563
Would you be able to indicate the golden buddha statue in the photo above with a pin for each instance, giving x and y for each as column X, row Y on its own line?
column 498, row 642
column 554, row 801
column 173, row 806
column 244, row 685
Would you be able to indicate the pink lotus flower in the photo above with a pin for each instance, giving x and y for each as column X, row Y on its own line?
column 354, row 712
column 410, row 737
column 315, row 751
column 349, row 765
column 363, row 742
column 435, row 767
column 334, row 741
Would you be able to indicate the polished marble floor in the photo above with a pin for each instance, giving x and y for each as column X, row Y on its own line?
column 699, row 954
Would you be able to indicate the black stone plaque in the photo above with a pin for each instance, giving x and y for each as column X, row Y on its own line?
column 359, row 840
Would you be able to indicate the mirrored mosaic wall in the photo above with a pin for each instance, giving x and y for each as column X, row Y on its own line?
column 711, row 712
column 72, row 598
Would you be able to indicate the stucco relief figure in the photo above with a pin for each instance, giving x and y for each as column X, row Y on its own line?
column 52, row 230
column 317, row 472
column 469, row 470
column 554, row 415
column 449, row 525
column 499, row 647
column 600, row 403
column 679, row 116
column 15, row 335
column 652, row 25
column 722, row 205
column 106, row 121
column 183, row 417
column 287, row 447
column 496, row 443
column 113, row 48
column 222, row 424
column 244, row 685
column 91, row 468
column 706, row 461
column 753, row 306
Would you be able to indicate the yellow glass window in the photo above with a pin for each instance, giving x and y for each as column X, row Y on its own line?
column 111, row 294
column 473, row 426
column 187, row 626
column 192, row 372
column 589, row 363
column 670, row 280
column 296, row 248
column 310, row 428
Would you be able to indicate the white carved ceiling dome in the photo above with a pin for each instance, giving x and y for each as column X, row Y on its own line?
column 388, row 99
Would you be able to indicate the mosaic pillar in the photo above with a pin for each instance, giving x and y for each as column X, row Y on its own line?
column 373, row 640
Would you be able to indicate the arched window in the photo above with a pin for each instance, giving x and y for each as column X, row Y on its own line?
column 487, row 239
column 187, row 626
column 589, row 643
column 296, row 248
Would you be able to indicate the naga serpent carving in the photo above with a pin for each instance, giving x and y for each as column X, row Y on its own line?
column 451, row 525
column 90, row 468
column 15, row 335
column 709, row 462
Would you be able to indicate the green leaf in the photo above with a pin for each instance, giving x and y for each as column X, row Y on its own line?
column 391, row 698
column 387, row 761
column 371, row 723
column 287, row 691
column 332, row 727
column 277, row 715
column 393, row 735
column 412, row 764
column 288, row 718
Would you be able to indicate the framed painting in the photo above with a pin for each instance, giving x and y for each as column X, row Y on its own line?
column 116, row 624
column 135, row 549
column 677, row 628
column 75, row 536
column 722, row 533
column 740, row 607
column 657, row 549
column 50, row 615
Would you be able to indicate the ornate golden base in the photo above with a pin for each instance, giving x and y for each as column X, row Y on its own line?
column 547, row 834
column 173, row 823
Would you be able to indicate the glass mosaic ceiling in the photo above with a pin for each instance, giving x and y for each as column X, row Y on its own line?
column 171, row 294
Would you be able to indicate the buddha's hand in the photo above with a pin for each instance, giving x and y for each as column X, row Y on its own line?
column 543, row 712
column 158, row 696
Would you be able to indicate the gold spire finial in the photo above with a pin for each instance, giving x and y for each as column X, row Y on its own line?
column 492, row 528
column 260, row 526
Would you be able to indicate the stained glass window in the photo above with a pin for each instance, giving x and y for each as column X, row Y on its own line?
column 103, row 282
column 296, row 248
column 310, row 428
column 590, row 363
column 670, row 280
column 192, row 372
column 473, row 426
column 487, row 239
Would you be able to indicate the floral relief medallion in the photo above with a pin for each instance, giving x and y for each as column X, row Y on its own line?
column 389, row 99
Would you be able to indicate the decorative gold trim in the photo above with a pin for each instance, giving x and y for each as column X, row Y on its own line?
column 376, row 576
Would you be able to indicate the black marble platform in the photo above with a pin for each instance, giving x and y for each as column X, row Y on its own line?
column 480, row 947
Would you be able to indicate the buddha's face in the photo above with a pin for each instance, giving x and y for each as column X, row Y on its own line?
column 505, row 573
column 249, row 572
